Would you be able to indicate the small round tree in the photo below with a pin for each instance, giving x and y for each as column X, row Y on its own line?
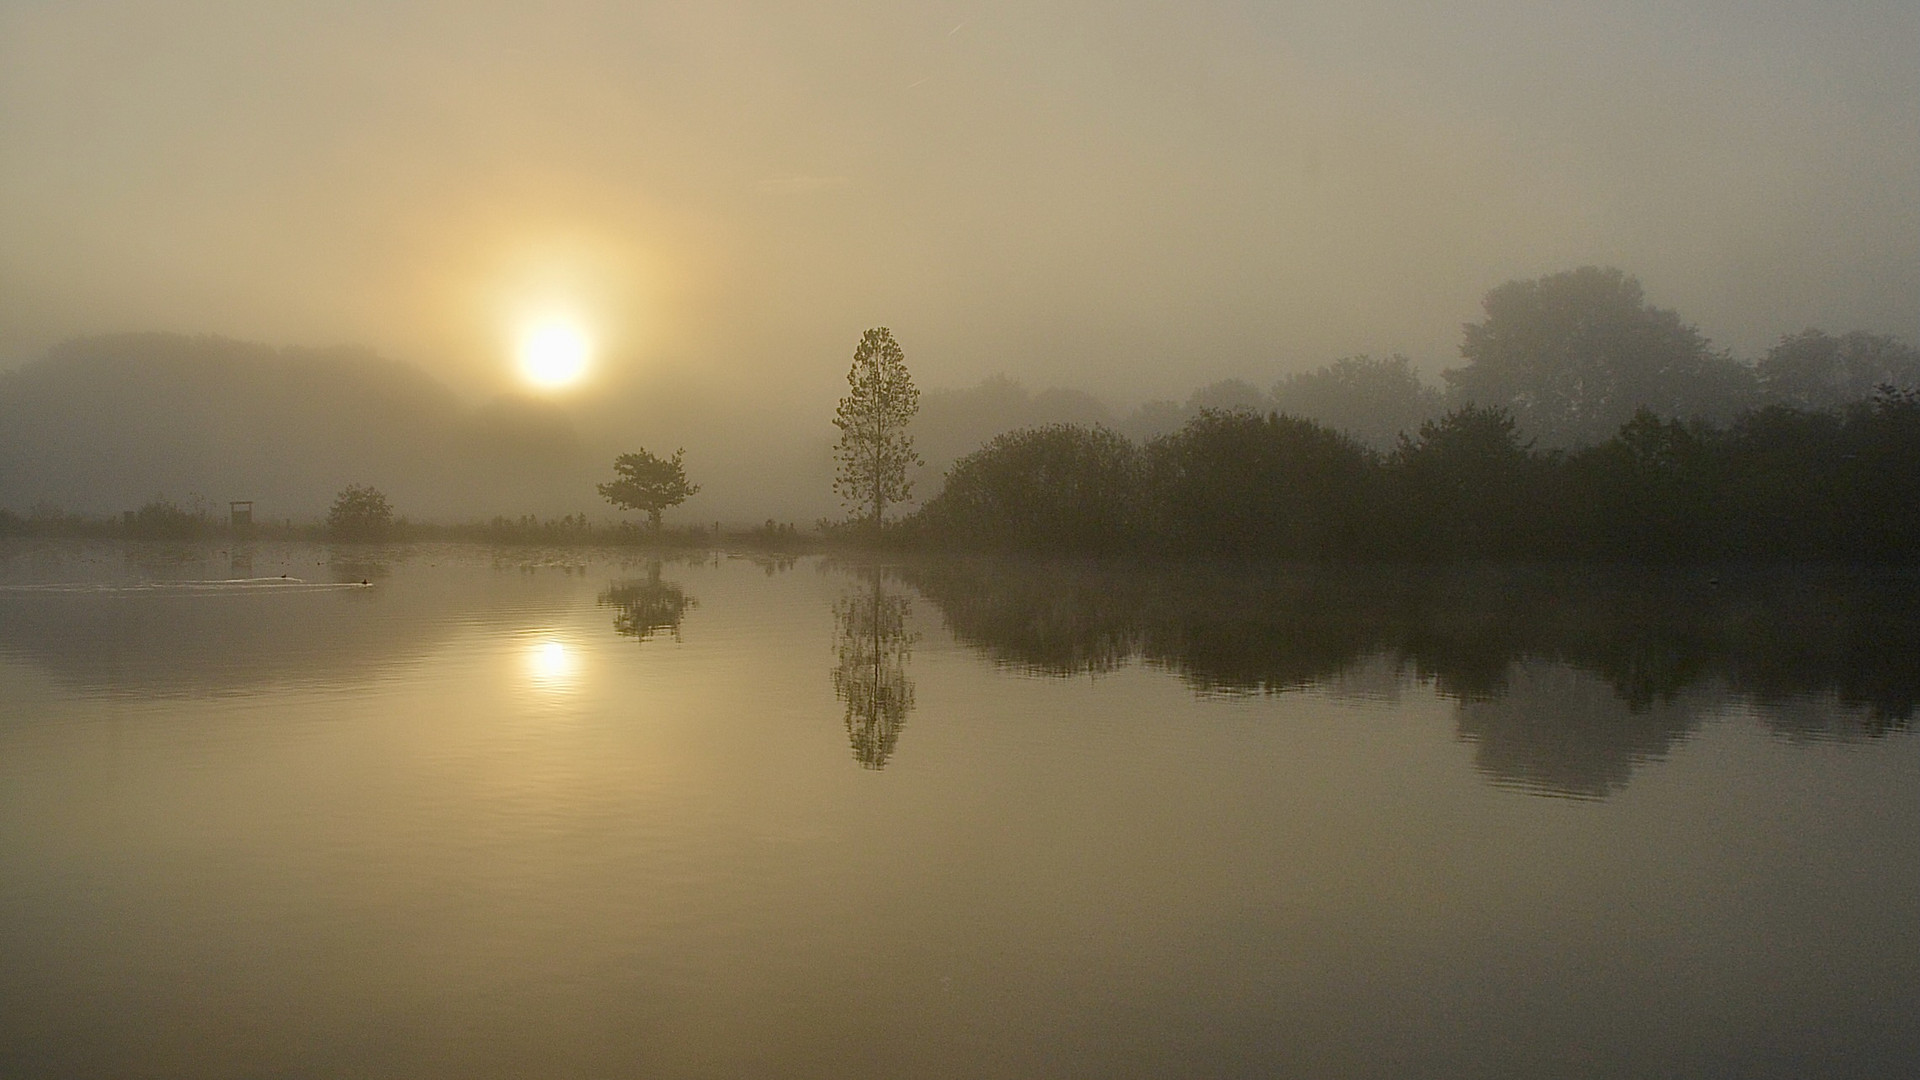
column 648, row 483
column 360, row 512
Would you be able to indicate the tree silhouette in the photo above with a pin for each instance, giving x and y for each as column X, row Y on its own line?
column 360, row 512
column 648, row 483
column 1815, row 370
column 1573, row 355
column 1375, row 400
column 874, row 449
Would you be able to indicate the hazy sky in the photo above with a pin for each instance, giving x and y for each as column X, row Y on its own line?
column 1133, row 198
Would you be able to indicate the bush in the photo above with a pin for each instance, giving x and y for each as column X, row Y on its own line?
column 1242, row 486
column 160, row 519
column 1060, row 488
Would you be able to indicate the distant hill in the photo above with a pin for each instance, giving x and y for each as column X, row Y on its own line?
column 105, row 423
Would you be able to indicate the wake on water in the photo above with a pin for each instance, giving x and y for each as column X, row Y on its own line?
column 229, row 586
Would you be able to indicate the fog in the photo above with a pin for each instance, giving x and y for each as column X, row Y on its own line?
column 1132, row 202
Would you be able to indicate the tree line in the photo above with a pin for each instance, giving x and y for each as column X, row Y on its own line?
column 1586, row 424
column 1572, row 356
column 1660, row 449
column 1776, row 483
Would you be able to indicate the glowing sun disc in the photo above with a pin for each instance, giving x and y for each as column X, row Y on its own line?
column 553, row 354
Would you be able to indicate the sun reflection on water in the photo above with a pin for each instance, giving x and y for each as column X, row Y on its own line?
column 551, row 665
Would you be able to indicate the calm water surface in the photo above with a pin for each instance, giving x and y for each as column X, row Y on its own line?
column 525, row 813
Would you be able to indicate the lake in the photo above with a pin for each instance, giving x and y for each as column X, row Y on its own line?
column 586, row 813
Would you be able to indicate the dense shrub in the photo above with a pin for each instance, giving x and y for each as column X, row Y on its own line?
column 1240, row 485
column 1062, row 488
column 1779, row 484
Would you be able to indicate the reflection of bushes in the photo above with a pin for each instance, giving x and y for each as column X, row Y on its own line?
column 1054, row 618
column 772, row 563
column 1651, row 635
column 645, row 608
column 1258, row 632
column 1646, row 651
column 1223, row 630
column 1562, row 730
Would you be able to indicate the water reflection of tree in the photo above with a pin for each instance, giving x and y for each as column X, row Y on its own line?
column 1557, row 729
column 645, row 608
column 872, row 651
column 1566, row 679
column 772, row 563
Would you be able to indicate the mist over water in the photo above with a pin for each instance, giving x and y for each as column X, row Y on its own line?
column 1355, row 541
column 586, row 811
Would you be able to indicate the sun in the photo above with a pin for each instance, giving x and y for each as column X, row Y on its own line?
column 554, row 353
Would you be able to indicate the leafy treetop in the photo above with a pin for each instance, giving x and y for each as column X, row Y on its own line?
column 875, row 450
column 648, row 483
column 360, row 512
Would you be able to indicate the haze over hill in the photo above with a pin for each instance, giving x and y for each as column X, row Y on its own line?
column 1134, row 199
column 106, row 423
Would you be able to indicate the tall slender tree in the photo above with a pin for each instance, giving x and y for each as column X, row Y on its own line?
column 875, row 450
